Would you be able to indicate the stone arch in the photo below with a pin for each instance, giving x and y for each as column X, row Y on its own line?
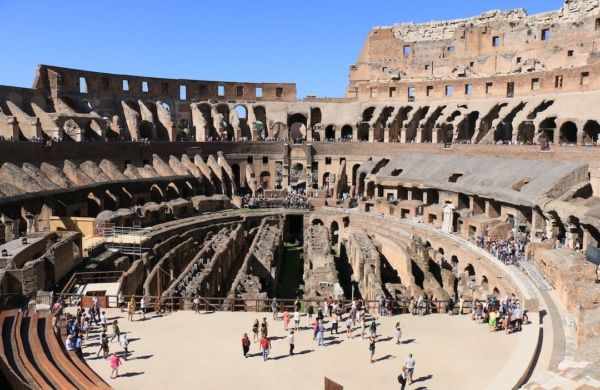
column 367, row 114
column 317, row 221
column 260, row 114
column 361, row 182
column 334, row 231
column 146, row 130
column 325, row 181
column 235, row 168
column 242, row 113
column 362, row 133
column 265, row 180
column 547, row 128
column 371, row 188
column 526, row 132
column 296, row 172
column 568, row 133
column 354, row 172
column 297, row 126
column 172, row 191
column 94, row 205
column 484, row 283
column 591, row 129
column 347, row 132
column 330, row 133
column 156, row 194
column 470, row 270
column 315, row 116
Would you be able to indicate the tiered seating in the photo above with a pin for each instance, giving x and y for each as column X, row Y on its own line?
column 33, row 357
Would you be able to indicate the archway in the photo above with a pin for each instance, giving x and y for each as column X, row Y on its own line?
column 260, row 113
column 470, row 270
column 94, row 205
column 526, row 132
column 265, row 180
column 317, row 221
column 242, row 113
column 371, row 189
column 172, row 192
column 156, row 194
column 296, row 173
column 568, row 133
column 297, row 125
column 354, row 172
column 591, row 131
column 346, row 133
column 325, row 181
column 236, row 175
column 363, row 132
column 547, row 127
column 330, row 133
column 334, row 232
column 146, row 130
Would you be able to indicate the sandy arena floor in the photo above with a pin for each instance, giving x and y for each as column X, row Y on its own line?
column 185, row 350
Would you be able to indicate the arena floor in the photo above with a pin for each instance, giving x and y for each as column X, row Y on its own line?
column 185, row 350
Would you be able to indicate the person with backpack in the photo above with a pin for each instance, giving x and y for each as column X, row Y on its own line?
column 372, row 348
column 125, row 345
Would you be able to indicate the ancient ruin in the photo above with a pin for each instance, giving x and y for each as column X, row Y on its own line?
column 462, row 162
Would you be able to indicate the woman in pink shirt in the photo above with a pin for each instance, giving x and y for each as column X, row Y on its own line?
column 115, row 362
column 286, row 319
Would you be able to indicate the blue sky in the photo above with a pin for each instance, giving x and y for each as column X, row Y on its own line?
column 311, row 42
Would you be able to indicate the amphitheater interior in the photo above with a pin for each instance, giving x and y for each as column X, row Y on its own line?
column 238, row 192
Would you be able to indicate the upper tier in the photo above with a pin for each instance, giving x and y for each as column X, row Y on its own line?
column 487, row 55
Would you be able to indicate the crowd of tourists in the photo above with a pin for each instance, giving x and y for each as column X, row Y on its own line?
column 507, row 251
column 331, row 317
column 91, row 322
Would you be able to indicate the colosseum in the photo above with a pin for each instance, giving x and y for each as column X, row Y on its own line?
column 457, row 180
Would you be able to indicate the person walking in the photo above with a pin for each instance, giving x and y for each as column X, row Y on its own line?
column 349, row 327
column 310, row 311
column 264, row 328
column 121, row 301
column 196, row 302
column 104, row 322
column 125, row 345
column 103, row 345
column 402, row 378
column 286, row 320
column 372, row 348
column 296, row 320
column 265, row 346
column 115, row 362
column 131, row 309
column 79, row 345
column 398, row 332
column 143, row 308
column 116, row 331
column 334, row 322
column 373, row 328
column 291, row 340
column 245, row 345
column 255, row 327
column 274, row 308
column 410, row 368
column 320, row 332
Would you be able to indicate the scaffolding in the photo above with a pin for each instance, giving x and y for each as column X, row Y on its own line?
column 128, row 240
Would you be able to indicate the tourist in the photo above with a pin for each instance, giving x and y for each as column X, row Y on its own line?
column 296, row 320
column 398, row 332
column 381, row 306
column 245, row 345
column 334, row 322
column 116, row 331
column 291, row 340
column 493, row 320
column 264, row 328
column 349, row 327
column 286, row 320
column 70, row 343
column 274, row 308
column 115, row 362
column 390, row 307
column 310, row 310
column 104, row 321
column 402, row 378
column 362, row 325
column 196, row 302
column 372, row 348
column 78, row 346
column 255, row 327
column 315, row 326
column 125, row 345
column 410, row 368
column 103, row 345
column 143, row 308
column 297, row 305
column 131, row 309
column 121, row 301
column 320, row 332
column 373, row 328
column 265, row 346
column 461, row 305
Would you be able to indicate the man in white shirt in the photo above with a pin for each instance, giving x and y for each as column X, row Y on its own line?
column 410, row 367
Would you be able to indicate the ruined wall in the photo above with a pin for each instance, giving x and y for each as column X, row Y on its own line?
column 493, row 48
